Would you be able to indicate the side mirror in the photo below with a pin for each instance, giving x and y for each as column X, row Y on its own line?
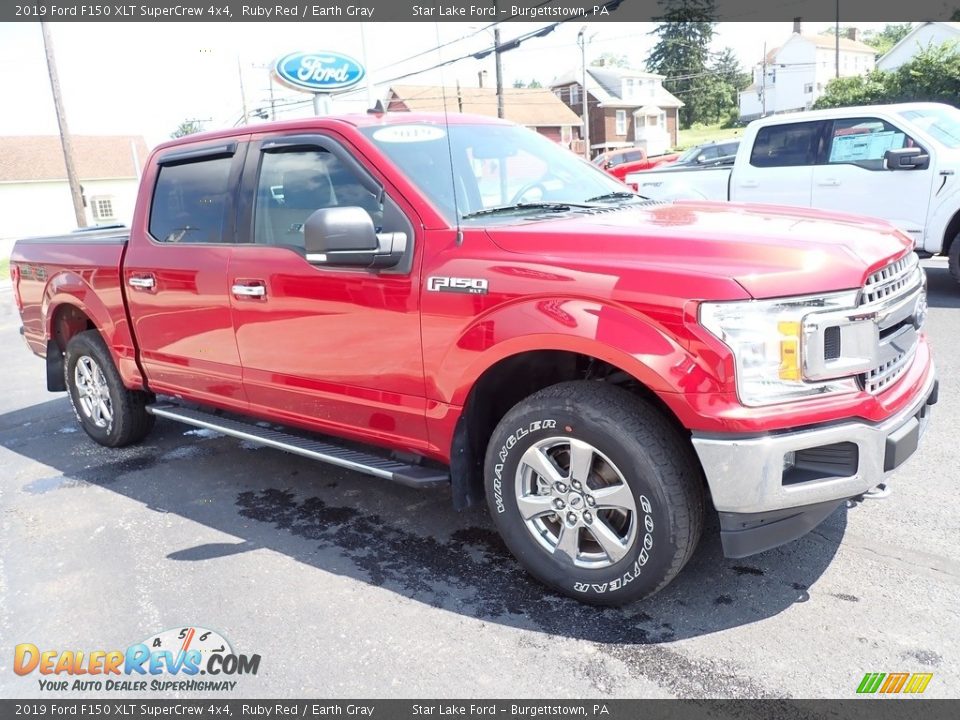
column 346, row 236
column 701, row 159
column 906, row 159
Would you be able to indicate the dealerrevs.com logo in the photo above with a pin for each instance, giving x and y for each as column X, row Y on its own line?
column 173, row 660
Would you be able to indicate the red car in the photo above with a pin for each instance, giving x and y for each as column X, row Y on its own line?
column 486, row 311
column 620, row 162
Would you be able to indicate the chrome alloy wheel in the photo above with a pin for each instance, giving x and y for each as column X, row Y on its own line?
column 575, row 502
column 93, row 394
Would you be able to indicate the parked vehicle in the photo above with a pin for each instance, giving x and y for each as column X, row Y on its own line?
column 620, row 162
column 895, row 162
column 708, row 154
column 486, row 311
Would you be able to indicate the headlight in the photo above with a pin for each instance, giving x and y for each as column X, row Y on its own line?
column 766, row 337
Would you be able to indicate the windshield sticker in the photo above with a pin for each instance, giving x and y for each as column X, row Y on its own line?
column 409, row 133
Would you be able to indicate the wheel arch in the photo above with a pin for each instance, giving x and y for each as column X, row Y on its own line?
column 514, row 376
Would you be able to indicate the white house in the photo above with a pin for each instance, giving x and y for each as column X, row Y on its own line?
column 627, row 108
column 793, row 76
column 34, row 194
column 920, row 37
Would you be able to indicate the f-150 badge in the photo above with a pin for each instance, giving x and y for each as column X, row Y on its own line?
column 471, row 286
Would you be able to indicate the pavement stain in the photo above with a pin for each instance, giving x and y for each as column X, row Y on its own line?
column 489, row 585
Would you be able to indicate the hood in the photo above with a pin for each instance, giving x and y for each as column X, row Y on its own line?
column 771, row 251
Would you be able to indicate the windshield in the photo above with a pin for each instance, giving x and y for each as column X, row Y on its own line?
column 941, row 123
column 493, row 166
column 689, row 155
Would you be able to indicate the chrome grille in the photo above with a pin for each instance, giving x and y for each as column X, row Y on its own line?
column 876, row 380
column 890, row 280
column 897, row 280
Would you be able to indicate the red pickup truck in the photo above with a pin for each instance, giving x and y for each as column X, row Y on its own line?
column 458, row 301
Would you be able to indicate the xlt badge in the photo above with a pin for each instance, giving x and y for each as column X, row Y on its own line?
column 471, row 286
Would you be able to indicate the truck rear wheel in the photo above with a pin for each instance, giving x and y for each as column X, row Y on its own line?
column 594, row 492
column 110, row 413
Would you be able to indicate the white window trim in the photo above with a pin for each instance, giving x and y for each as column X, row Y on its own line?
column 621, row 122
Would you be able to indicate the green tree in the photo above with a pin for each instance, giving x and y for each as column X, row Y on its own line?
column 534, row 84
column 187, row 127
column 885, row 39
column 681, row 55
column 933, row 75
column 519, row 83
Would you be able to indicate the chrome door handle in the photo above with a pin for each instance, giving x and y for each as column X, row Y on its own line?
column 749, row 184
column 829, row 182
column 142, row 283
column 249, row 290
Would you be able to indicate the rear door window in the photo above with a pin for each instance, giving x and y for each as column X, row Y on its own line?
column 787, row 145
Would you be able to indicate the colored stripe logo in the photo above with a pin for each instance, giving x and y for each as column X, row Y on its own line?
column 893, row 683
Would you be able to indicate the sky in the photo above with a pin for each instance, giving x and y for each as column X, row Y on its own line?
column 146, row 78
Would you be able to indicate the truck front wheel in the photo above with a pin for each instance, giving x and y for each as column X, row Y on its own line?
column 109, row 413
column 953, row 258
column 594, row 492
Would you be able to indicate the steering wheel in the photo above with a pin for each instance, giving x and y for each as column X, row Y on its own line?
column 519, row 194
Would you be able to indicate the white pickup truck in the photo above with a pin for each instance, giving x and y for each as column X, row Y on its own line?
column 895, row 162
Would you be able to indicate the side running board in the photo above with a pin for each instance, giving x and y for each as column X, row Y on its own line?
column 406, row 474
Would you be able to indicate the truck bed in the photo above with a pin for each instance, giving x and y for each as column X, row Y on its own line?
column 682, row 183
column 85, row 265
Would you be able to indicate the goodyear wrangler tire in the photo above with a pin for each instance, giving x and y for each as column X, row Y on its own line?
column 594, row 492
column 110, row 413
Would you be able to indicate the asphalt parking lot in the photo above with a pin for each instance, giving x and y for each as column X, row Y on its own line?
column 348, row 586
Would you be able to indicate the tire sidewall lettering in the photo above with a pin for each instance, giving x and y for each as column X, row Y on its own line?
column 504, row 451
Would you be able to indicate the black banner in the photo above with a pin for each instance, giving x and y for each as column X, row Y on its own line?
column 885, row 709
column 482, row 11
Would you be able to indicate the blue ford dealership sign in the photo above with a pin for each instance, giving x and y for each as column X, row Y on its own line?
column 319, row 72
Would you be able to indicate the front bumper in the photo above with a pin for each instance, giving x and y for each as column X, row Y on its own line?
column 763, row 502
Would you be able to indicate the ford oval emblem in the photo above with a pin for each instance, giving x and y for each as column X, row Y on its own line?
column 318, row 71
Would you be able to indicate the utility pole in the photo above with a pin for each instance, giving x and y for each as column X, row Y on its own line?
column 582, row 41
column 496, row 50
column 75, row 192
column 763, row 82
column 243, row 93
column 836, row 41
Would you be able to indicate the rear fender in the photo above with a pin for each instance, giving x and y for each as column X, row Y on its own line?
column 68, row 288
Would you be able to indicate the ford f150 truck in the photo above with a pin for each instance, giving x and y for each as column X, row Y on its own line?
column 896, row 162
column 461, row 302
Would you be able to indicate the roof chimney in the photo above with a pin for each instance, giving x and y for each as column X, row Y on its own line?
column 853, row 33
column 796, row 25
column 480, row 76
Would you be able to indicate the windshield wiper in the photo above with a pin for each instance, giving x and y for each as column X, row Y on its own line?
column 555, row 206
column 616, row 195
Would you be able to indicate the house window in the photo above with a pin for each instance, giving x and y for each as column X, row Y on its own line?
column 574, row 94
column 103, row 208
column 808, row 88
column 630, row 88
column 621, row 122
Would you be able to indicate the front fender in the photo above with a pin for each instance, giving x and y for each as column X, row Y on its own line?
column 652, row 351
